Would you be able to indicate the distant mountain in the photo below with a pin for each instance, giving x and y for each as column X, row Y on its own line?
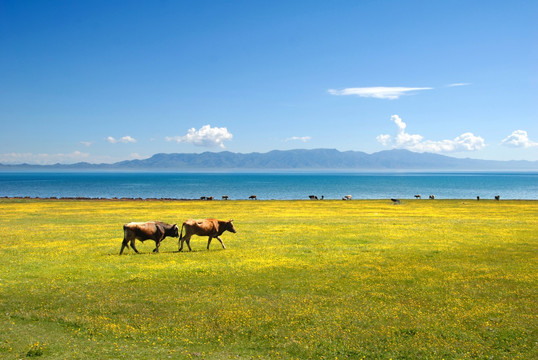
column 317, row 159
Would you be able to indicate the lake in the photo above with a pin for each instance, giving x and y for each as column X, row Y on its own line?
column 280, row 186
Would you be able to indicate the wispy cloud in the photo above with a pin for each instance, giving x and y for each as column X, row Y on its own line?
column 124, row 140
column 380, row 92
column 42, row 159
column 414, row 142
column 519, row 138
column 206, row 136
column 299, row 138
column 458, row 84
column 87, row 143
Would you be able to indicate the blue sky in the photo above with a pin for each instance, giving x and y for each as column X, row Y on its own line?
column 104, row 81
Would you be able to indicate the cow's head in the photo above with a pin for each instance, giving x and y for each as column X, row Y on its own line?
column 230, row 227
column 175, row 231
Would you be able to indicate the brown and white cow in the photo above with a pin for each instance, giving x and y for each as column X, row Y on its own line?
column 151, row 230
column 206, row 227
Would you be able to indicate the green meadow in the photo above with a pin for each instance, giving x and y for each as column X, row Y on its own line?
column 365, row 279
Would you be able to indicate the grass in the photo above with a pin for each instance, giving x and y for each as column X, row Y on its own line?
column 448, row 279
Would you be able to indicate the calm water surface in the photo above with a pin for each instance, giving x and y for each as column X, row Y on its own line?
column 281, row 186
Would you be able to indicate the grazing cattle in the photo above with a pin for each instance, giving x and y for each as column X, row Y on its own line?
column 313, row 197
column 396, row 201
column 477, row 198
column 207, row 227
column 417, row 196
column 253, row 197
column 347, row 197
column 225, row 197
column 497, row 197
column 151, row 230
column 432, row 197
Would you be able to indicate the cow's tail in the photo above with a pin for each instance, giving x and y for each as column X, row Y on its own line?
column 124, row 243
column 181, row 233
column 124, row 232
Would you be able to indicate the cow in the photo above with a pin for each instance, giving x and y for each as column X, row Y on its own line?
column 225, row 197
column 253, row 197
column 347, row 197
column 497, row 197
column 212, row 228
column 313, row 197
column 432, row 197
column 151, row 230
column 417, row 196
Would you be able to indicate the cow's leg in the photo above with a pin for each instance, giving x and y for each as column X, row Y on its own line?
column 133, row 246
column 209, row 242
column 158, row 243
column 124, row 244
column 187, row 239
column 219, row 239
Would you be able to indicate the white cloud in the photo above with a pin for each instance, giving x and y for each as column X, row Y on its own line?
column 378, row 92
column 384, row 139
column 42, row 159
column 124, row 140
column 519, row 138
column 206, row 136
column 414, row 142
column 87, row 143
column 458, row 84
column 299, row 138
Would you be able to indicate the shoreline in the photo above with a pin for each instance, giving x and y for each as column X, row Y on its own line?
column 83, row 198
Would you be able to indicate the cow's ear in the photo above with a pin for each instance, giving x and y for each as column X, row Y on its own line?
column 231, row 220
column 175, row 226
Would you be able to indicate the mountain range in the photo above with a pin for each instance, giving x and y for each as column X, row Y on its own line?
column 316, row 159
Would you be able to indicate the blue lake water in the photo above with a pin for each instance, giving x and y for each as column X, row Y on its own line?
column 281, row 186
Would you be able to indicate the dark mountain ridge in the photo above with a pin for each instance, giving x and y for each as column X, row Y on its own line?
column 316, row 159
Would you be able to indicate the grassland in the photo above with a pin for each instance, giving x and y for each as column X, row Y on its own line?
column 425, row 279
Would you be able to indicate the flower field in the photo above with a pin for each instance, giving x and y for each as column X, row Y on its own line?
column 366, row 279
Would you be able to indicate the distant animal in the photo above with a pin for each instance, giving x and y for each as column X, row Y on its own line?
column 313, row 197
column 497, row 197
column 253, row 197
column 477, row 198
column 432, row 197
column 417, row 196
column 203, row 197
column 322, row 197
column 396, row 201
column 151, row 230
column 347, row 197
column 212, row 228
column 225, row 197
column 209, row 198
